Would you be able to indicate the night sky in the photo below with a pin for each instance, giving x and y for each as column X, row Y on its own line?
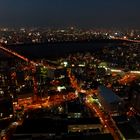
column 64, row 13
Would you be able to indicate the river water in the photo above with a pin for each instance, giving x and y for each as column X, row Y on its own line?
column 57, row 50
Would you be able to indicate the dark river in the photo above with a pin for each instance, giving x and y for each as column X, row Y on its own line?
column 57, row 50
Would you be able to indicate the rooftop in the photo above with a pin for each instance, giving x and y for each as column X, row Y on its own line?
column 108, row 94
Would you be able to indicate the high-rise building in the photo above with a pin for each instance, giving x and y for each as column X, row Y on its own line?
column 109, row 100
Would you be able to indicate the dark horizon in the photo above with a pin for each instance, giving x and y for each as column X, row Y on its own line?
column 62, row 13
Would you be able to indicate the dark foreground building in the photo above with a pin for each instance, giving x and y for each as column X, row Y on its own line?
column 45, row 124
column 50, row 129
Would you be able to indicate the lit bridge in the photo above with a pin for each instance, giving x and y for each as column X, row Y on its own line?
column 23, row 57
column 126, row 39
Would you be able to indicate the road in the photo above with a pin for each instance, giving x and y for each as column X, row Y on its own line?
column 49, row 101
column 105, row 119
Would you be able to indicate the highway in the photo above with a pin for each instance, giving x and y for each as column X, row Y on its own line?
column 16, row 54
column 23, row 57
column 105, row 119
column 126, row 39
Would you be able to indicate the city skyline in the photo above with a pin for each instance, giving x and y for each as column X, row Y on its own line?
column 69, row 69
column 85, row 14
